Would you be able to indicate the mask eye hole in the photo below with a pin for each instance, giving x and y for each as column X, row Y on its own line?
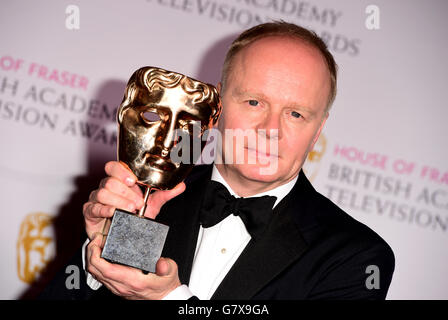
column 150, row 116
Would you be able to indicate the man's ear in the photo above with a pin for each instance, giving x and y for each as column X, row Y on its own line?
column 218, row 88
column 316, row 137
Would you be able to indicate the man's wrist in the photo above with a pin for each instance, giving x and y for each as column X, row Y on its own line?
column 180, row 293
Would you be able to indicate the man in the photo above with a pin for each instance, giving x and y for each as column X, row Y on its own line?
column 279, row 80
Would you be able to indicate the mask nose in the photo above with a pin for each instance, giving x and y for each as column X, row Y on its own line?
column 168, row 137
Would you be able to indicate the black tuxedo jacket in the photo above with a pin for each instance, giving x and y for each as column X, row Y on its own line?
column 311, row 250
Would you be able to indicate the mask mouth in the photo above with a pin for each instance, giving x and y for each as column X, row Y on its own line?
column 158, row 162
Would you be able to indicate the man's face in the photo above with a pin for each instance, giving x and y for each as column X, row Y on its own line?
column 275, row 83
column 148, row 133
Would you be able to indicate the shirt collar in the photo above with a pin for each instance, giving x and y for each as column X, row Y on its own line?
column 280, row 192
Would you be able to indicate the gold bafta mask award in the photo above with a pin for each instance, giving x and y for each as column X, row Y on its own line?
column 160, row 109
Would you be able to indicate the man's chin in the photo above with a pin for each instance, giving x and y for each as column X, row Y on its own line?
column 259, row 173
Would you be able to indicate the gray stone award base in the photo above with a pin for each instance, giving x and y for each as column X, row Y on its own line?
column 134, row 241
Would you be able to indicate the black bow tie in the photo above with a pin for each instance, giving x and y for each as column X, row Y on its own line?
column 218, row 204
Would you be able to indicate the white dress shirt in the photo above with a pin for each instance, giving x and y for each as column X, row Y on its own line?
column 217, row 249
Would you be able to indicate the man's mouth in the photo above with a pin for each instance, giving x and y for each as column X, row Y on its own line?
column 261, row 154
column 158, row 162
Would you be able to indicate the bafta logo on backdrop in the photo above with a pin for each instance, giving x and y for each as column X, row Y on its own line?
column 312, row 163
column 35, row 246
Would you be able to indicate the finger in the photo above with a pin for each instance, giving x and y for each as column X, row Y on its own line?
column 92, row 195
column 121, row 172
column 164, row 267
column 119, row 188
column 108, row 198
column 166, row 277
column 98, row 266
column 93, row 253
column 96, row 210
column 159, row 198
column 95, row 215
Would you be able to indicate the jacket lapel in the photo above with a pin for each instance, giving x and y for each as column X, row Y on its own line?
column 262, row 260
column 181, row 214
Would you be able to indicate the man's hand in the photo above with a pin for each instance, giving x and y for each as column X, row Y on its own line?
column 119, row 190
column 128, row 282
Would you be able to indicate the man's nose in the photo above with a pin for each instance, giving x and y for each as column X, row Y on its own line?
column 270, row 126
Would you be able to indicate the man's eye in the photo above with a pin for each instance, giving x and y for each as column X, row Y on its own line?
column 150, row 116
column 253, row 103
column 295, row 114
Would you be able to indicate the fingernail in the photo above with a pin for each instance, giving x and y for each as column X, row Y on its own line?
column 131, row 207
column 130, row 181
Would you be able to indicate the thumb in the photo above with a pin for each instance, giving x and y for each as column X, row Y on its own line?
column 159, row 198
column 165, row 267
